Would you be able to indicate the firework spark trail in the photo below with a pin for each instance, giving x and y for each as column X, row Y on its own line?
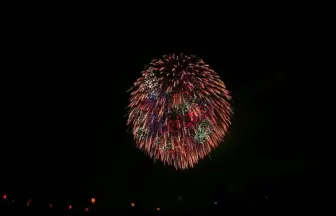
column 179, row 110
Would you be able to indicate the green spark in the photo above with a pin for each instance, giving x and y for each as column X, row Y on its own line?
column 203, row 131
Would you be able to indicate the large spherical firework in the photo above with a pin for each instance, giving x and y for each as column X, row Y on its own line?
column 179, row 110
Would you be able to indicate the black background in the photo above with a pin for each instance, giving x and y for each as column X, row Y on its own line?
column 69, row 140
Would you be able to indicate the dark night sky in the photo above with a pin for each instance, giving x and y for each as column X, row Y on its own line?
column 69, row 120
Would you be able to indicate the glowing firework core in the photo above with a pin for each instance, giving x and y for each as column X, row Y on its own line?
column 179, row 110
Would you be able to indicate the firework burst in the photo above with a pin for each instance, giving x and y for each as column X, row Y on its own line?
column 179, row 110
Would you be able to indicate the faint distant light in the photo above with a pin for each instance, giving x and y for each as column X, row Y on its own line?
column 86, row 209
column 215, row 203
column 158, row 209
column 70, row 207
column 50, row 205
column 93, row 200
column 266, row 197
column 29, row 202
column 132, row 204
column 12, row 201
column 4, row 196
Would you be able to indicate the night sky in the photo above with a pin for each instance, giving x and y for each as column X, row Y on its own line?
column 70, row 141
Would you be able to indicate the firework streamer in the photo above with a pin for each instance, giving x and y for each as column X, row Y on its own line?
column 179, row 110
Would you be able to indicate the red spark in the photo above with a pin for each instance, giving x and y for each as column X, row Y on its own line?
column 93, row 200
